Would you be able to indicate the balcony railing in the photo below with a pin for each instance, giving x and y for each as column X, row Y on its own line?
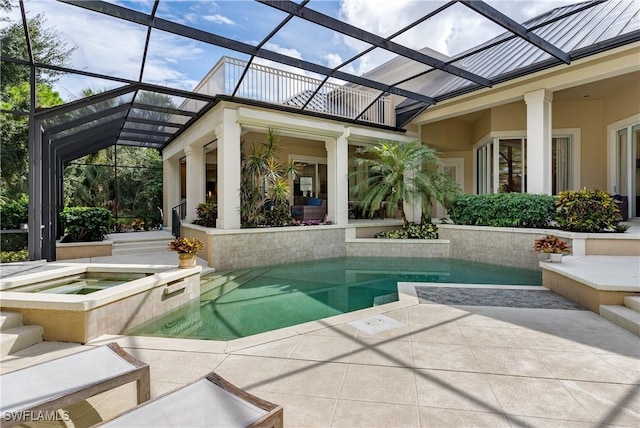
column 275, row 86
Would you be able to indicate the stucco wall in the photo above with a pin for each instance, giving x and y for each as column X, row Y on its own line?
column 623, row 102
column 509, row 117
column 451, row 134
column 588, row 116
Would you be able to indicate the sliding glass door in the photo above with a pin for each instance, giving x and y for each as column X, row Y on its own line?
column 626, row 159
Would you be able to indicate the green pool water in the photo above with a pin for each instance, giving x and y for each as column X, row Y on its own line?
column 267, row 298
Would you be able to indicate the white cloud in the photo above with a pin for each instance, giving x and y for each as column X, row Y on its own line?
column 218, row 19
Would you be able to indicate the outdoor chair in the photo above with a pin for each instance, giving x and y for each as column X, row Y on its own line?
column 208, row 402
column 315, row 209
column 55, row 384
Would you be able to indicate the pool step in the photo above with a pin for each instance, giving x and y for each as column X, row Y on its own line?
column 14, row 336
column 627, row 316
column 223, row 283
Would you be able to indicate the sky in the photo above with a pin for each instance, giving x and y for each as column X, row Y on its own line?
column 115, row 47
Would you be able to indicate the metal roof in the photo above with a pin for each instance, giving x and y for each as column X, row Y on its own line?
column 580, row 30
column 148, row 115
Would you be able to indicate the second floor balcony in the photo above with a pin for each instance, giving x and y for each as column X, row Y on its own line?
column 274, row 86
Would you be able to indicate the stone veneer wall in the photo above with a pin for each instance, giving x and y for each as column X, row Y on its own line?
column 498, row 245
column 245, row 248
column 397, row 248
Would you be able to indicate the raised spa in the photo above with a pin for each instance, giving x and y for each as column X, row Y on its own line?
column 80, row 302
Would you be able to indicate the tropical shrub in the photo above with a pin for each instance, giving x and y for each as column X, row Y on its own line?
column 264, row 184
column 85, row 224
column 503, row 210
column 411, row 231
column 206, row 214
column 587, row 210
column 14, row 256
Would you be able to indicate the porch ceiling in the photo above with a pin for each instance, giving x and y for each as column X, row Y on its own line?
column 140, row 112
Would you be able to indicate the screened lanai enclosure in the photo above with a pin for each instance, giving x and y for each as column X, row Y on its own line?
column 306, row 57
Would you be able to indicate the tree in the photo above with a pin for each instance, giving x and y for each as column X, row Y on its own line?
column 47, row 45
column 48, row 48
column 14, row 149
column 403, row 173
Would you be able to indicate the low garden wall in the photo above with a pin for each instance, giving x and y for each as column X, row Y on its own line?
column 425, row 248
column 234, row 249
column 237, row 249
column 498, row 245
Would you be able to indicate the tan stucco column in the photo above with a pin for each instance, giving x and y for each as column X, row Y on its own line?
column 195, row 180
column 171, row 187
column 337, row 179
column 228, row 135
column 539, row 141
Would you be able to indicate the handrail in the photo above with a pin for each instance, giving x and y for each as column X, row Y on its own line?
column 178, row 213
column 275, row 86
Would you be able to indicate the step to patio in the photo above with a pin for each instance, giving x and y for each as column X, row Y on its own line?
column 140, row 247
column 10, row 320
column 632, row 302
column 15, row 336
column 623, row 316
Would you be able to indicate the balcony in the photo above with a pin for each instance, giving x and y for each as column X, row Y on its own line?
column 274, row 86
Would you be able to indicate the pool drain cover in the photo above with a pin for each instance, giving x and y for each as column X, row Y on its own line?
column 376, row 324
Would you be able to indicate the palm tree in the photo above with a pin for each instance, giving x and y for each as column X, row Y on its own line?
column 400, row 173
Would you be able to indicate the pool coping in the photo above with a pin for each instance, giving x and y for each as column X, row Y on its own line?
column 160, row 274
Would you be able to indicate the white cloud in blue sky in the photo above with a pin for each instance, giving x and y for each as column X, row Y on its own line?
column 114, row 47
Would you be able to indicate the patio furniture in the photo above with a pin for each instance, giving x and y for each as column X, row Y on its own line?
column 208, row 402
column 57, row 383
column 314, row 209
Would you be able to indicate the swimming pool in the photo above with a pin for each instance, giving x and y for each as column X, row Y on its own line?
column 242, row 303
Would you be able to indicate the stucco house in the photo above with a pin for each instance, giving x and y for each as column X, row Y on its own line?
column 536, row 129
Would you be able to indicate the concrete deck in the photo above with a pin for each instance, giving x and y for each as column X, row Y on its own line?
column 442, row 366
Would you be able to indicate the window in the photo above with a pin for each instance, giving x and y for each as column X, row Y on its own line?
column 501, row 165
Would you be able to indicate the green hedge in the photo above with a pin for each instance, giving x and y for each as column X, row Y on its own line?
column 14, row 212
column 85, row 224
column 503, row 210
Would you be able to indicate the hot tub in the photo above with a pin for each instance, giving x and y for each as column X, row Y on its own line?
column 79, row 302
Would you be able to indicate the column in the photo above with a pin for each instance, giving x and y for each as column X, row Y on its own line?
column 338, row 180
column 171, row 188
column 539, row 141
column 228, row 135
column 195, row 180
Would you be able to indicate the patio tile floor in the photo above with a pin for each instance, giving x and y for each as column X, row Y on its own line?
column 447, row 366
